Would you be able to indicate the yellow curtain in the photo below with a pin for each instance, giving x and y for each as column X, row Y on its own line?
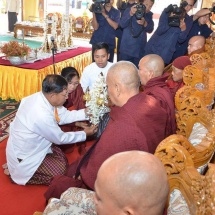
column 30, row 8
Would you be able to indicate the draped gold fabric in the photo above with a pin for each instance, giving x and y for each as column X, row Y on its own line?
column 17, row 83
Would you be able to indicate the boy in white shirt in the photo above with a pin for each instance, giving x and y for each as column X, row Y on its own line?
column 101, row 64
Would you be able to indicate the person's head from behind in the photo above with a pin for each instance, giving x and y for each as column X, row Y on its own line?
column 55, row 89
column 150, row 66
column 132, row 182
column 72, row 77
column 123, row 82
column 178, row 66
column 195, row 43
column 101, row 54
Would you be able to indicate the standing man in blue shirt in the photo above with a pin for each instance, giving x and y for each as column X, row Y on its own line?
column 199, row 27
column 134, row 36
column 105, row 23
column 169, row 32
column 122, row 6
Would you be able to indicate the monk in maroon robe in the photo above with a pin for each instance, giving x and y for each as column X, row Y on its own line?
column 176, row 81
column 74, row 102
column 133, row 116
column 154, row 83
column 75, row 99
column 75, row 93
column 114, row 182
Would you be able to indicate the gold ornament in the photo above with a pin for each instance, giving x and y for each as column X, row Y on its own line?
column 87, row 96
column 100, row 101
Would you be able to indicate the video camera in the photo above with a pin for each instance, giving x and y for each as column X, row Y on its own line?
column 178, row 14
column 97, row 6
column 141, row 10
column 212, row 11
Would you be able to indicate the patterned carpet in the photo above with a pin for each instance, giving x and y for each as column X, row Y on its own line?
column 8, row 110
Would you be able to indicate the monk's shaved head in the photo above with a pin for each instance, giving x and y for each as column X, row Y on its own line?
column 125, row 73
column 123, row 82
column 133, row 181
column 196, row 43
column 150, row 66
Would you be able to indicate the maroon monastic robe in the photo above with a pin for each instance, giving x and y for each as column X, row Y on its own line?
column 174, row 86
column 157, row 88
column 125, row 131
column 75, row 101
column 75, row 98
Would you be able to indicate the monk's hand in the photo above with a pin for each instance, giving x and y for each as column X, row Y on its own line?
column 90, row 130
column 81, row 124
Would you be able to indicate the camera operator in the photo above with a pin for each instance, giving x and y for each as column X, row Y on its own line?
column 169, row 32
column 105, row 22
column 136, row 22
column 121, row 6
column 199, row 27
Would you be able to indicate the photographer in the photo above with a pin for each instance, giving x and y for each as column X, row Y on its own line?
column 174, row 26
column 121, row 6
column 136, row 22
column 105, row 22
column 199, row 27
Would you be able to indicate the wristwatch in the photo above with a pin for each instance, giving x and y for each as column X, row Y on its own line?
column 106, row 17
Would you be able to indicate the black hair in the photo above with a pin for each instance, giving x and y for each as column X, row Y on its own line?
column 100, row 45
column 69, row 72
column 194, row 2
column 54, row 84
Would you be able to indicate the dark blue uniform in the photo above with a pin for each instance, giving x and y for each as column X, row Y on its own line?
column 134, row 36
column 119, row 29
column 197, row 29
column 164, row 39
column 106, row 33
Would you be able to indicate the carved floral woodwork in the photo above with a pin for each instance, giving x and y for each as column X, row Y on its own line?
column 191, row 102
column 210, row 191
column 183, row 176
column 202, row 60
column 90, row 28
column 80, row 24
column 180, row 158
column 192, row 75
column 210, row 47
column 59, row 18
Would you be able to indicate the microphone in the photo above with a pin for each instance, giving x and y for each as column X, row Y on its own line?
column 52, row 39
column 54, row 50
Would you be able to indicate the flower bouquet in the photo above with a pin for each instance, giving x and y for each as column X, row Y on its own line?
column 15, row 51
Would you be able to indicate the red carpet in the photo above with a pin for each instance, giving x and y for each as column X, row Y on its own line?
column 48, row 61
column 21, row 200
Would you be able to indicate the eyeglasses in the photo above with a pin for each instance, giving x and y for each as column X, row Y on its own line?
column 65, row 94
